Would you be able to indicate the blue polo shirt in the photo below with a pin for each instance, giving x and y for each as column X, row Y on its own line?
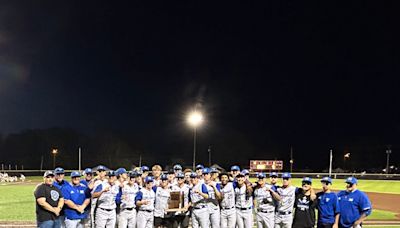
column 77, row 194
column 328, row 207
column 62, row 184
column 352, row 205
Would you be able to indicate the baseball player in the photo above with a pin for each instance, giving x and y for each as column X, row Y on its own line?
column 265, row 200
column 145, row 204
column 199, row 170
column 305, row 203
column 187, row 173
column 214, row 174
column 235, row 170
column 284, row 213
column 328, row 206
column 171, row 177
column 244, row 202
column 127, row 215
column 214, row 193
column 198, row 195
column 156, row 171
column 88, row 178
column 273, row 180
column 145, row 171
column 99, row 179
column 76, row 199
column 60, row 183
column 139, row 179
column 177, row 168
column 228, row 211
column 181, row 219
column 161, row 204
column 354, row 205
column 106, row 192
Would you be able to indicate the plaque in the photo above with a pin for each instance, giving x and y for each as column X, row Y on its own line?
column 175, row 202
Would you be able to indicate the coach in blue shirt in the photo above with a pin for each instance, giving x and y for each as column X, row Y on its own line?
column 354, row 205
column 328, row 206
column 76, row 200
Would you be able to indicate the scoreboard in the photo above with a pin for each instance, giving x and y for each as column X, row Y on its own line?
column 263, row 165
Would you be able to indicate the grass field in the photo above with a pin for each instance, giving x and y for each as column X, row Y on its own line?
column 17, row 202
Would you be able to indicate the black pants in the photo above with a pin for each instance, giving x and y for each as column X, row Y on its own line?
column 324, row 225
column 182, row 220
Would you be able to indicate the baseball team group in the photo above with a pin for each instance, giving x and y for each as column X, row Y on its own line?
column 209, row 198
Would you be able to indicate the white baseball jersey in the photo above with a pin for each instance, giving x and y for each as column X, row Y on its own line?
column 145, row 194
column 107, row 199
column 128, row 196
column 288, row 195
column 228, row 196
column 196, row 197
column 212, row 195
column 265, row 201
column 161, row 201
column 242, row 199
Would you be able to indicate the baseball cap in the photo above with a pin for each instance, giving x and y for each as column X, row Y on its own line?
column 245, row 172
column 307, row 179
column 111, row 173
column 145, row 168
column 101, row 168
column 273, row 174
column 193, row 175
column 327, row 180
column 164, row 177
column 286, row 175
column 177, row 167
column 59, row 170
column 75, row 174
column 88, row 170
column 48, row 173
column 120, row 171
column 235, row 168
column 148, row 179
column 180, row 175
column 261, row 175
column 214, row 170
column 139, row 173
column 206, row 170
column 199, row 167
column 171, row 171
column 132, row 174
column 240, row 175
column 351, row 180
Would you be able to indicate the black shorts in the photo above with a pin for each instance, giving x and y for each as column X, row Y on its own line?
column 324, row 225
column 162, row 222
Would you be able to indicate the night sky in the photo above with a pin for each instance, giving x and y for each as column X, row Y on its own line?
column 314, row 76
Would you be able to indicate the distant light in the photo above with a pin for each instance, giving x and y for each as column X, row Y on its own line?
column 347, row 155
column 54, row 151
column 195, row 119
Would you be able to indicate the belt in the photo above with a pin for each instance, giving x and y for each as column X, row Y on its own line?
column 284, row 212
column 146, row 210
column 106, row 209
column 200, row 207
column 128, row 208
column 227, row 208
column 243, row 208
column 264, row 211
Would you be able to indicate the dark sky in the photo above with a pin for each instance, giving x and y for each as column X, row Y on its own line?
column 312, row 75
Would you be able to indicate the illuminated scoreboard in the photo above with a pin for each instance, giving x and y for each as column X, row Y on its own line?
column 261, row 165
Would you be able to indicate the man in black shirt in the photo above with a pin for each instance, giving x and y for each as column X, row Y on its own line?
column 49, row 202
column 305, row 203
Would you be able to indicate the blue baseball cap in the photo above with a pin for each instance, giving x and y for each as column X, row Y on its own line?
column 206, row 170
column 59, row 170
column 351, row 180
column 261, row 175
column 177, row 167
column 180, row 175
column 164, row 177
column 120, row 171
column 148, row 179
column 327, row 180
column 145, row 168
column 111, row 173
column 199, row 167
column 193, row 175
column 307, row 179
column 101, row 168
column 273, row 174
column 214, row 170
column 235, row 168
column 286, row 175
column 75, row 174
column 245, row 172
column 87, row 170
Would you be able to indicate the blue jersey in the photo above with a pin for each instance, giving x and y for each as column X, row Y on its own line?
column 328, row 207
column 62, row 184
column 352, row 205
column 77, row 194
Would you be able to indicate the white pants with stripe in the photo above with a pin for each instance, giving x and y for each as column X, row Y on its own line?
column 105, row 218
column 244, row 218
column 127, row 218
column 228, row 218
column 265, row 220
column 283, row 221
column 144, row 219
column 201, row 218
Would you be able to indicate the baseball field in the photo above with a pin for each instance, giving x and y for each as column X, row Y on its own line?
column 17, row 205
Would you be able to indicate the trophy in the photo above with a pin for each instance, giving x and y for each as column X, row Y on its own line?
column 175, row 202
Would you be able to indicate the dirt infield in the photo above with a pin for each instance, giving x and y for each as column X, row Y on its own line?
column 387, row 202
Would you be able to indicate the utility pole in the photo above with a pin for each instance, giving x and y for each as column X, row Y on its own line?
column 388, row 152
column 291, row 159
column 209, row 156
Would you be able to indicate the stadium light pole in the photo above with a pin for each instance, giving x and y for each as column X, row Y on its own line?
column 388, row 152
column 54, row 151
column 194, row 119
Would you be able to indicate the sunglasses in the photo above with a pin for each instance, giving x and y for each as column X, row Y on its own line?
column 306, row 183
column 285, row 179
